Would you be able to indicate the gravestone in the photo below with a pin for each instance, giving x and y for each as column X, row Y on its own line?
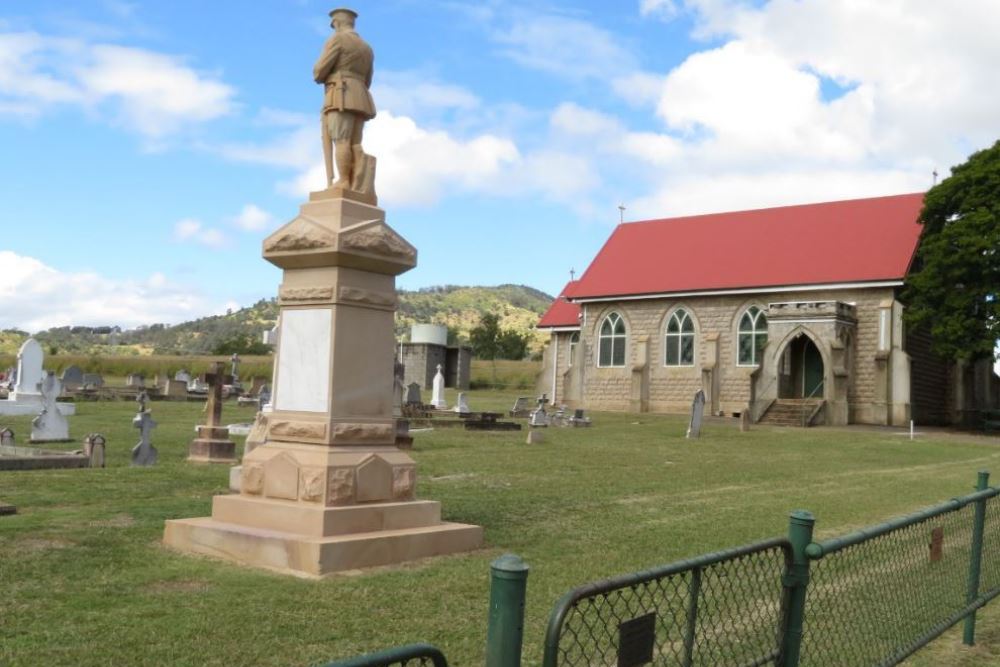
column 265, row 398
column 29, row 373
column 437, row 397
column 745, row 419
column 235, row 371
column 176, row 389
column 697, row 412
column 6, row 437
column 92, row 381
column 182, row 376
column 522, row 407
column 256, row 384
column 144, row 454
column 72, row 378
column 462, row 404
column 578, row 419
column 50, row 425
column 213, row 444
column 135, row 380
column 538, row 416
column 93, row 448
column 413, row 396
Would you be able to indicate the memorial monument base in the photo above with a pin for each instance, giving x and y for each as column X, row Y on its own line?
column 313, row 542
column 212, row 446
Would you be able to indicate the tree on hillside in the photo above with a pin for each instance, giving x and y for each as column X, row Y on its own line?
column 512, row 345
column 489, row 341
column 954, row 287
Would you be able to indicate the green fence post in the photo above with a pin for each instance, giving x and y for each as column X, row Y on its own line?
column 976, row 558
column 796, row 580
column 508, row 582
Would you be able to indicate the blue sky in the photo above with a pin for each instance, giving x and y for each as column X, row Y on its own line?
column 149, row 147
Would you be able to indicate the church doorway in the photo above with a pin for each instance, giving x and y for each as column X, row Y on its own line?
column 800, row 370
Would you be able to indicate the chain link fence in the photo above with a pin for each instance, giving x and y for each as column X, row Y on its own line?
column 865, row 599
column 721, row 609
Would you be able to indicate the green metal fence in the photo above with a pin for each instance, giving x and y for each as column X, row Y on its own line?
column 411, row 655
column 869, row 598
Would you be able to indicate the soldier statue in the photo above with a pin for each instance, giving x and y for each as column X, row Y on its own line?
column 345, row 70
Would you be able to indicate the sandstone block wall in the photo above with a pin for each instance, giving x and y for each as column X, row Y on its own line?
column 671, row 388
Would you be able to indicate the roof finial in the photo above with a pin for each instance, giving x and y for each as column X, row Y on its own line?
column 572, row 275
column 935, row 175
column 621, row 213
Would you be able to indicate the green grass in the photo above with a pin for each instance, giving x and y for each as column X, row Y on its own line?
column 84, row 580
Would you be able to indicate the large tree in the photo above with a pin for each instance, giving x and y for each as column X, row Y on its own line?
column 954, row 286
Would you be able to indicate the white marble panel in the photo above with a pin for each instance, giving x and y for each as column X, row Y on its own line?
column 304, row 360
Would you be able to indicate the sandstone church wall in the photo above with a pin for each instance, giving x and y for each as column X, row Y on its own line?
column 670, row 389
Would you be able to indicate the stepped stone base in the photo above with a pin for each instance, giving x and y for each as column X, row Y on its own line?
column 314, row 542
column 212, row 446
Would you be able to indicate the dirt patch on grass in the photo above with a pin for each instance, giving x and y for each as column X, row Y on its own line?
column 178, row 586
column 37, row 544
column 118, row 521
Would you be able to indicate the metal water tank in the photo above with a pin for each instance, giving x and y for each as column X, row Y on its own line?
column 435, row 334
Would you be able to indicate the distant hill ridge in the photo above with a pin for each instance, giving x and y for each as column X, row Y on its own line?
column 458, row 307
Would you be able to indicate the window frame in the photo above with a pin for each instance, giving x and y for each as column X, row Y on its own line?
column 680, row 334
column 755, row 331
column 571, row 353
column 613, row 337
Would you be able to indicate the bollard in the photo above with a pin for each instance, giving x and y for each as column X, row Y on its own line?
column 976, row 558
column 796, row 580
column 508, row 582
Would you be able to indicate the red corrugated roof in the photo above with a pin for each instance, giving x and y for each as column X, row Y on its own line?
column 859, row 240
column 561, row 313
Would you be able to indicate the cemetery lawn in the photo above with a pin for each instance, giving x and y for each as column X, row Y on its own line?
column 85, row 581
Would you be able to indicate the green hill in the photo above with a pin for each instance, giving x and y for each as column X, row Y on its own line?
column 457, row 307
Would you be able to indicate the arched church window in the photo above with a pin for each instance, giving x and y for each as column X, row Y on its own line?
column 573, row 341
column 680, row 339
column 611, row 341
column 752, row 336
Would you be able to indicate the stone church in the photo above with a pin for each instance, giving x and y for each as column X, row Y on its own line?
column 792, row 313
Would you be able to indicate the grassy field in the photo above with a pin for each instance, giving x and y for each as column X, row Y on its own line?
column 84, row 580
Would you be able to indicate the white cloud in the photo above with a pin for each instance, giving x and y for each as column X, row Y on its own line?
column 565, row 46
column 37, row 296
column 194, row 231
column 417, row 166
column 413, row 92
column 666, row 9
column 253, row 218
column 152, row 93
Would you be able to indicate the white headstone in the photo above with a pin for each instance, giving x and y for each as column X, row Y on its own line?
column 697, row 412
column 182, row 376
column 462, row 404
column 50, row 425
column 437, row 397
column 29, row 371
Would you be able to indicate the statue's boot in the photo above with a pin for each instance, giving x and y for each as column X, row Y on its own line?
column 345, row 165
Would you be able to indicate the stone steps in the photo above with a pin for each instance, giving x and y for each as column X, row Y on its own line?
column 790, row 411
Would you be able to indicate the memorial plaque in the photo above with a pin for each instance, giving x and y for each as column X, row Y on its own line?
column 636, row 639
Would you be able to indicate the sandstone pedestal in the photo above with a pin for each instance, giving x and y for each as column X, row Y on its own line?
column 328, row 490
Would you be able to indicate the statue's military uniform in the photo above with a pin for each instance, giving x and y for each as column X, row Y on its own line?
column 345, row 68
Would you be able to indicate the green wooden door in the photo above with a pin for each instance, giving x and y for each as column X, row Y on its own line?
column 812, row 371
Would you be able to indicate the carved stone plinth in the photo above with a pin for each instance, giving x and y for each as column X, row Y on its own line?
column 328, row 490
column 212, row 446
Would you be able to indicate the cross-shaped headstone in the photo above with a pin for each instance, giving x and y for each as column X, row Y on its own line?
column 142, row 399
column 144, row 454
column 215, row 380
